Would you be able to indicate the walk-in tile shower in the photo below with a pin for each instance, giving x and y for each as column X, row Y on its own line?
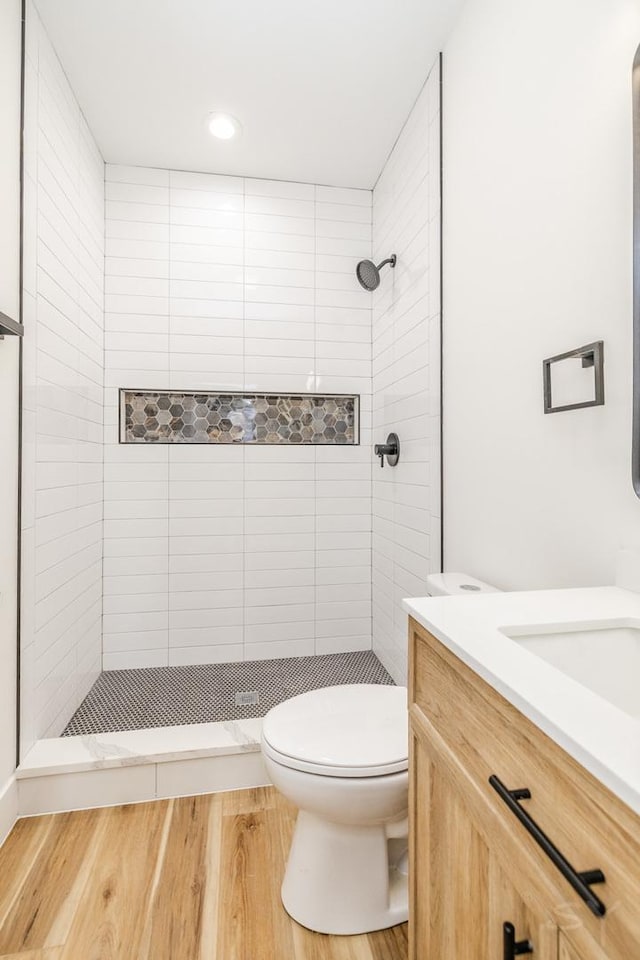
column 204, row 381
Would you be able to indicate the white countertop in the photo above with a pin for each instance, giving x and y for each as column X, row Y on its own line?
column 597, row 734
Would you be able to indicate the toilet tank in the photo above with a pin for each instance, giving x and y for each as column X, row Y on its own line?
column 456, row 584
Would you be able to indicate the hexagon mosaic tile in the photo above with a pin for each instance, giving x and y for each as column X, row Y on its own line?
column 180, row 417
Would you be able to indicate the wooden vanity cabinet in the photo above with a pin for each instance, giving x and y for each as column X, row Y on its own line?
column 473, row 864
column 461, row 895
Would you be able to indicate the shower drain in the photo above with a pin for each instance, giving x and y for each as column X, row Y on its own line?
column 249, row 698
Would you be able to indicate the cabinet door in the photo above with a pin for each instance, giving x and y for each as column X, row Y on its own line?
column 449, row 870
column 507, row 906
column 568, row 951
column 461, row 896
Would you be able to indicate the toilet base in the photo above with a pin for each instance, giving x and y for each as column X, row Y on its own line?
column 342, row 879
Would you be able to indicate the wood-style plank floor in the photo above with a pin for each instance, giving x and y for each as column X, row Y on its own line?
column 196, row 878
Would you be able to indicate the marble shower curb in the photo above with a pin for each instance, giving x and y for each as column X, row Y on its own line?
column 76, row 773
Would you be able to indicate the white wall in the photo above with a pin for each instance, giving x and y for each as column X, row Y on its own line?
column 406, row 375
column 63, row 388
column 537, row 260
column 10, row 59
column 218, row 553
column 10, row 66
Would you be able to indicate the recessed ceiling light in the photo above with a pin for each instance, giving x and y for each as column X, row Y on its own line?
column 224, row 126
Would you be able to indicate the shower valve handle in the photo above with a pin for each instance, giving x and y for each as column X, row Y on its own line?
column 390, row 450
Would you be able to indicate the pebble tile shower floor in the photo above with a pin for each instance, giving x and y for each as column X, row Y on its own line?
column 167, row 696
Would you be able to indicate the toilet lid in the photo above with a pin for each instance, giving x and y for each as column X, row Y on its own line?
column 354, row 730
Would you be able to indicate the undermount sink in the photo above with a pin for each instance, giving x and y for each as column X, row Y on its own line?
column 604, row 657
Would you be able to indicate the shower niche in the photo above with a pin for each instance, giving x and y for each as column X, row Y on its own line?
column 273, row 418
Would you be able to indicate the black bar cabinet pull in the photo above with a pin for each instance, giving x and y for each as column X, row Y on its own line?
column 579, row 881
column 512, row 947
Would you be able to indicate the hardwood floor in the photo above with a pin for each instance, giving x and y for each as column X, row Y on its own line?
column 196, row 878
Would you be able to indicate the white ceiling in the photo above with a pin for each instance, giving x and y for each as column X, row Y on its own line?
column 321, row 87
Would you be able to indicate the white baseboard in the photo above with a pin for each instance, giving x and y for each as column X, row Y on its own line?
column 8, row 808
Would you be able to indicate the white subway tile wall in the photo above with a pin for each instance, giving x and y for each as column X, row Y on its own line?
column 406, row 375
column 216, row 552
column 63, row 397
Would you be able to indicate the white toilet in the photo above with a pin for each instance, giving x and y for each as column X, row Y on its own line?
column 340, row 754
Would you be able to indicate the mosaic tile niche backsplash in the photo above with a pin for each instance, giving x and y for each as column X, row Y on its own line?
column 182, row 417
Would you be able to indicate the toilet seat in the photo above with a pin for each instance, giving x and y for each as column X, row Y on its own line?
column 352, row 730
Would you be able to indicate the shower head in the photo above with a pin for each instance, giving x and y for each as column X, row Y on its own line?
column 369, row 275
